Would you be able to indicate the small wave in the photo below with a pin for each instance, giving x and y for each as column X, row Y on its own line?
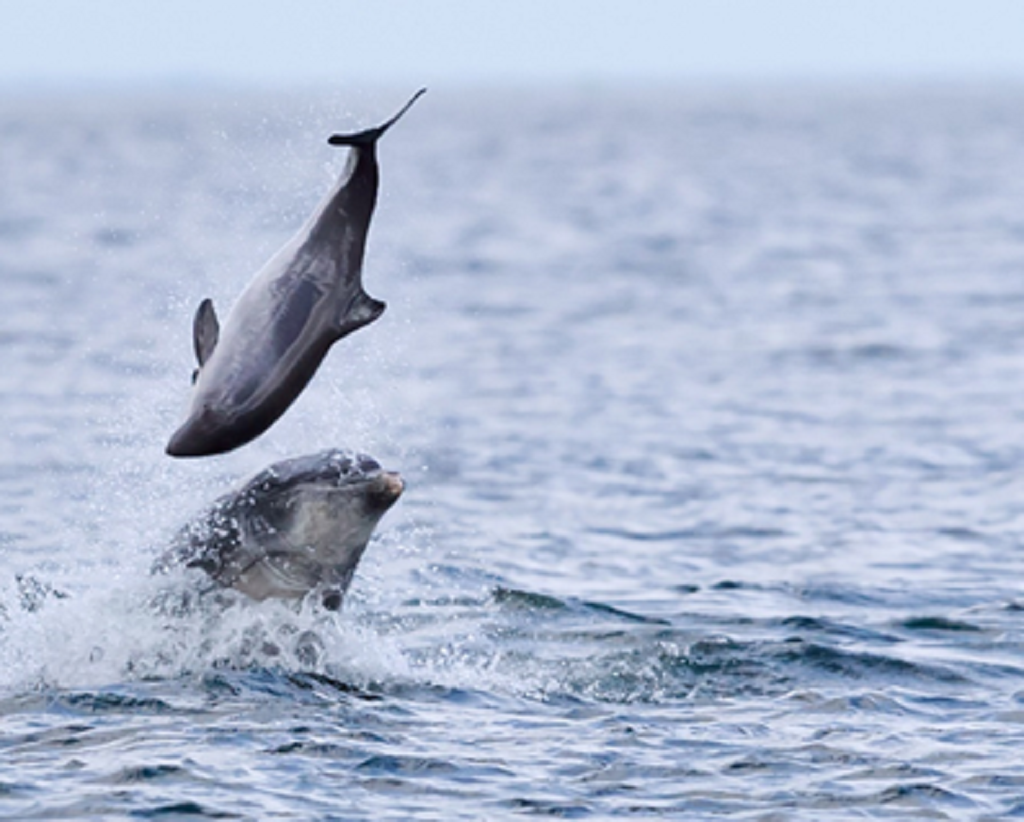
column 527, row 600
column 404, row 765
column 923, row 795
column 700, row 533
column 860, row 664
column 181, row 810
column 148, row 773
column 939, row 624
column 100, row 702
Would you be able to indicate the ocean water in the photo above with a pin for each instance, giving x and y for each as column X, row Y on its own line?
column 710, row 405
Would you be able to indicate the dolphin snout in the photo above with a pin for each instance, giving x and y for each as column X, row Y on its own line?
column 394, row 483
column 184, row 443
column 197, row 437
column 387, row 488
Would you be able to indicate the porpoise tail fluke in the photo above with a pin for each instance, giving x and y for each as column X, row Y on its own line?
column 372, row 135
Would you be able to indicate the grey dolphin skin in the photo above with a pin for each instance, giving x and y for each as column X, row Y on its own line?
column 306, row 298
column 299, row 525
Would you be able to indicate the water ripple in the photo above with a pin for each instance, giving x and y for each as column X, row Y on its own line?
column 711, row 427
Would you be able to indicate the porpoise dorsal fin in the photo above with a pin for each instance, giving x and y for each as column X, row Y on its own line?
column 363, row 310
column 372, row 135
column 205, row 331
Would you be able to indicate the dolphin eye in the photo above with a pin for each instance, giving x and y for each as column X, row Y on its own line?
column 195, row 375
column 368, row 465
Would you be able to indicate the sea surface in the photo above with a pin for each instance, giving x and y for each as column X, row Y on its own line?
column 710, row 405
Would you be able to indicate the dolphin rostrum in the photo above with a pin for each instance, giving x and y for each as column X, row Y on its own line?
column 300, row 525
column 306, row 298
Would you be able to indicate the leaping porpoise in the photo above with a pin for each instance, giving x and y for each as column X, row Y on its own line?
column 306, row 298
column 299, row 525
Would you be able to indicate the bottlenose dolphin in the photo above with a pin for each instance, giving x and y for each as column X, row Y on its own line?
column 306, row 298
column 299, row 525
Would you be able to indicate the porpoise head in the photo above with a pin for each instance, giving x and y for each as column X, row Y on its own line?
column 298, row 525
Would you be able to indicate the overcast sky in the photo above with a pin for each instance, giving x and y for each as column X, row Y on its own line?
column 479, row 41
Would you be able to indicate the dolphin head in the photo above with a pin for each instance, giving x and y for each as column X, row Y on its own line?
column 320, row 503
column 311, row 519
column 299, row 525
column 336, row 474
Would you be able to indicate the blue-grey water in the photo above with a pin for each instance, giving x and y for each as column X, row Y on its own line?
column 710, row 404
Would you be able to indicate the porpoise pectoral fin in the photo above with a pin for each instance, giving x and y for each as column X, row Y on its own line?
column 205, row 331
column 362, row 310
column 335, row 583
column 331, row 599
